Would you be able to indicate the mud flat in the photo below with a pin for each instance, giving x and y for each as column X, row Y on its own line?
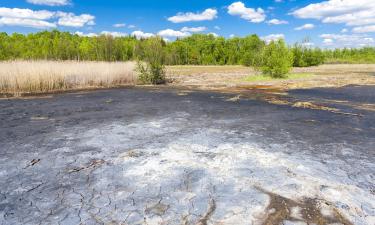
column 175, row 156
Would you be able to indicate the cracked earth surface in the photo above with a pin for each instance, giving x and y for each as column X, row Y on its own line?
column 162, row 156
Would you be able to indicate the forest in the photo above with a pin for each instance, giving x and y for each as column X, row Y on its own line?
column 198, row 49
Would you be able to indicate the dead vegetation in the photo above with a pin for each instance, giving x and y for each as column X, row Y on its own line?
column 213, row 77
column 20, row 77
column 310, row 211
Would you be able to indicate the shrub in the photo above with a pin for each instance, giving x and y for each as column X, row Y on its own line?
column 151, row 62
column 277, row 59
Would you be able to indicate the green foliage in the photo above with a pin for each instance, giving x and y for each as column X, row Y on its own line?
column 305, row 57
column 198, row 49
column 152, row 70
column 277, row 59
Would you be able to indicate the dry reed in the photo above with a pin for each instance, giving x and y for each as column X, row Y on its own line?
column 19, row 77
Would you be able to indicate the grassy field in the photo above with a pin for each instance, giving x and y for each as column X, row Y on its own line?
column 19, row 77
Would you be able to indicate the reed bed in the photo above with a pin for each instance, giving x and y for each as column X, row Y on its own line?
column 20, row 77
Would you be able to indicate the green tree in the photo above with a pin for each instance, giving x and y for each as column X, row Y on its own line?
column 277, row 59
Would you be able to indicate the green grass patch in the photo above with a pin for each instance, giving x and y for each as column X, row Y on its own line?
column 263, row 78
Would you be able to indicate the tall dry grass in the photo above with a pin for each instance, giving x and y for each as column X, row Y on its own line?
column 18, row 77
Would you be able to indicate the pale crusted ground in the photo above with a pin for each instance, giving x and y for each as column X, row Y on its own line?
column 213, row 77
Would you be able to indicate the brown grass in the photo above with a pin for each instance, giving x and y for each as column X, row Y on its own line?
column 213, row 77
column 19, row 77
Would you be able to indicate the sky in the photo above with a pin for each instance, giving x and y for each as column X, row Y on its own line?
column 329, row 23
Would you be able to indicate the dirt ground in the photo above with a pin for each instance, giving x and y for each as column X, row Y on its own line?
column 205, row 149
column 214, row 77
column 162, row 155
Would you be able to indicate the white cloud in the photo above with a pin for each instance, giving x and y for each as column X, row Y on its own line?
column 131, row 26
column 25, row 13
column 349, row 12
column 364, row 29
column 273, row 37
column 213, row 34
column 307, row 26
column 232, row 35
column 328, row 41
column 39, row 19
column 217, row 28
column 249, row 14
column 193, row 29
column 173, row 33
column 72, row 20
column 114, row 34
column 277, row 22
column 118, row 25
column 347, row 40
column 308, row 44
column 79, row 33
column 33, row 23
column 344, row 30
column 141, row 34
column 49, row 2
column 208, row 14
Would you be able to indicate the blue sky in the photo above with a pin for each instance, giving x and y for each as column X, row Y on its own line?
column 329, row 23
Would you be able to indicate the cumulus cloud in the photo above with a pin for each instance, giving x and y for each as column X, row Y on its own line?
column 173, row 33
column 208, row 14
column 72, row 20
column 79, row 33
column 193, row 29
column 347, row 40
column 308, row 44
column 277, row 22
column 344, row 30
column 249, row 14
column 364, row 29
column 118, row 25
column 140, row 34
column 273, row 37
column 307, row 26
column 41, row 19
column 49, row 2
column 114, row 34
column 349, row 12
column 25, row 13
column 33, row 23
column 213, row 34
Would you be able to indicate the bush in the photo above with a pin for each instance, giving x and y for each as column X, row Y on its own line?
column 277, row 59
column 151, row 62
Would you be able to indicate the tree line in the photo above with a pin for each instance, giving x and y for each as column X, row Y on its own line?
column 198, row 49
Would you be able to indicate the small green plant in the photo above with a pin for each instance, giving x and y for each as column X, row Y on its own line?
column 151, row 67
column 277, row 59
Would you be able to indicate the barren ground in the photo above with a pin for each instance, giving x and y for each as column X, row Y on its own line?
column 177, row 155
column 214, row 77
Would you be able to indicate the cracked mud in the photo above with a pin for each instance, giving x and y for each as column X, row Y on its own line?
column 156, row 156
